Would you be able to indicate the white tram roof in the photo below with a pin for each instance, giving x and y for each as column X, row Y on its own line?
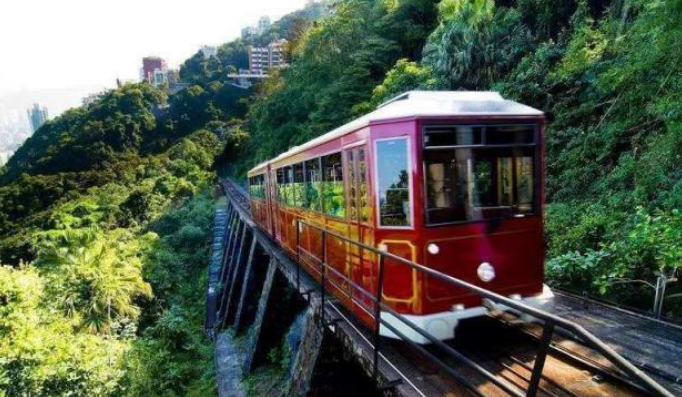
column 423, row 104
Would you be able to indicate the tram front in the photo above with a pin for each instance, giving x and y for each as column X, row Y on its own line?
column 476, row 192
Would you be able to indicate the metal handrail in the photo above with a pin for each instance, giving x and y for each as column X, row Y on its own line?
column 550, row 320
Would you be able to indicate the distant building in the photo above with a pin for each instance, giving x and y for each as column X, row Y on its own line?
column 258, row 59
column 154, row 70
column 263, row 26
column 249, row 31
column 174, row 84
column 159, row 77
column 262, row 59
column 208, row 51
column 173, row 77
column 37, row 115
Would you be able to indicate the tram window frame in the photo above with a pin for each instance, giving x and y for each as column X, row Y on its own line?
column 410, row 185
column 281, row 196
column 288, row 185
column 536, row 159
column 363, row 188
column 253, row 187
column 327, row 180
column 298, row 184
column 260, row 182
column 480, row 141
column 310, row 187
column 351, row 191
column 358, row 200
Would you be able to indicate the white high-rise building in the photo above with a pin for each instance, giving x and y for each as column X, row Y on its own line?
column 262, row 27
column 262, row 59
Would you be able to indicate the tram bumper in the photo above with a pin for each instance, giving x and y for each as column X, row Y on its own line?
column 543, row 301
column 441, row 326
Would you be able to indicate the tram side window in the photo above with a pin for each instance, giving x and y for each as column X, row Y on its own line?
column 281, row 197
column 492, row 181
column 313, row 187
column 289, row 186
column 260, row 190
column 364, row 188
column 357, row 185
column 393, row 183
column 299, row 196
column 254, row 187
column 333, row 195
column 352, row 188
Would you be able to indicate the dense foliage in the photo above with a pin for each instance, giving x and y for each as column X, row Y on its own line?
column 105, row 211
column 111, row 304
column 606, row 73
column 104, row 228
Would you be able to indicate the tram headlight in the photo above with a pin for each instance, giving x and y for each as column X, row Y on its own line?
column 433, row 249
column 486, row 272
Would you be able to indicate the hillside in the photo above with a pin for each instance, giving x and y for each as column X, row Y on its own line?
column 104, row 220
column 104, row 212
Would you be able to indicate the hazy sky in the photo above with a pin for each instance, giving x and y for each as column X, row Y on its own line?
column 60, row 44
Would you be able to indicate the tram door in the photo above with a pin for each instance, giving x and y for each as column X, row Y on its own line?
column 359, row 261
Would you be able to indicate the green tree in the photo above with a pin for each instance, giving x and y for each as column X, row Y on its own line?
column 404, row 76
column 96, row 277
column 475, row 44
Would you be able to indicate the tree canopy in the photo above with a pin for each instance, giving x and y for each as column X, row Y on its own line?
column 105, row 211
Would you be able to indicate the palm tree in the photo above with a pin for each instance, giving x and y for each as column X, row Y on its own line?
column 94, row 278
column 475, row 43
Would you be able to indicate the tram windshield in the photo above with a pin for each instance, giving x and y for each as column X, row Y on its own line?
column 479, row 172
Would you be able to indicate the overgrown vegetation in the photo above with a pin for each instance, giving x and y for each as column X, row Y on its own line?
column 105, row 211
column 111, row 304
column 607, row 73
column 104, row 235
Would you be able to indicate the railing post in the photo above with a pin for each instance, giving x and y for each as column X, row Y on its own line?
column 323, row 272
column 298, row 254
column 377, row 318
column 545, row 340
column 661, row 283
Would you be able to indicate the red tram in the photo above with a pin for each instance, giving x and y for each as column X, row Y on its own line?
column 449, row 180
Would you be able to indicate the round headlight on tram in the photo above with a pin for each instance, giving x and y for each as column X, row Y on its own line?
column 486, row 272
column 433, row 249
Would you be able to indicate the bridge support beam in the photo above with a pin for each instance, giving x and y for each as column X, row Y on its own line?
column 236, row 285
column 306, row 355
column 257, row 266
column 254, row 334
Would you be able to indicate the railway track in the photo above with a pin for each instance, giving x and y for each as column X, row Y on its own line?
column 502, row 345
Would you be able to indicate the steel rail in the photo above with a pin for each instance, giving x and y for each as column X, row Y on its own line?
column 588, row 363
